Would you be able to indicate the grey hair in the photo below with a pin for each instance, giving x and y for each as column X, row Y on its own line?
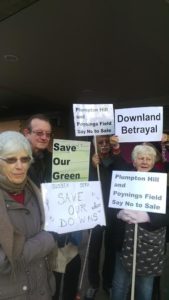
column 13, row 141
column 143, row 149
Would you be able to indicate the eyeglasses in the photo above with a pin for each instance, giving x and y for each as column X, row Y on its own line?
column 13, row 160
column 42, row 133
column 102, row 142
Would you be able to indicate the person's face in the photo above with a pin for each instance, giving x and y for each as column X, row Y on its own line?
column 39, row 135
column 103, row 144
column 144, row 162
column 15, row 171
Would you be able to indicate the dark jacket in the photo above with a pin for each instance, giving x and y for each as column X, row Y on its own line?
column 107, row 165
column 40, row 170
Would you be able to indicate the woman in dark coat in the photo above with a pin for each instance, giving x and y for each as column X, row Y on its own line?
column 151, row 239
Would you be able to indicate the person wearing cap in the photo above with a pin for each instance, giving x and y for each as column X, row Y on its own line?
column 104, row 156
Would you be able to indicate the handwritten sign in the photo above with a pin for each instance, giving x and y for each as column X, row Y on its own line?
column 93, row 119
column 144, row 191
column 72, row 206
column 70, row 160
column 139, row 124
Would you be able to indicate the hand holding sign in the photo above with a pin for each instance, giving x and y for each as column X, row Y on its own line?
column 95, row 160
column 124, row 215
column 114, row 141
column 164, row 138
column 133, row 217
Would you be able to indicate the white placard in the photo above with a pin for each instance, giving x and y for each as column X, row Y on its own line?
column 93, row 119
column 72, row 206
column 144, row 191
column 139, row 124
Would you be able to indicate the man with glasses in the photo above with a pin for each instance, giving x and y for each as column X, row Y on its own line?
column 38, row 131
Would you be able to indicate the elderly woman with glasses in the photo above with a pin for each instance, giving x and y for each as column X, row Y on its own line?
column 25, row 248
column 150, row 237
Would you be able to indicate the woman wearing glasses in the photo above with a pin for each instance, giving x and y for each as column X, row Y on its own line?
column 24, row 245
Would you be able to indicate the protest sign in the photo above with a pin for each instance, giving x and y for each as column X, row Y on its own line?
column 72, row 206
column 93, row 119
column 144, row 191
column 70, row 160
column 139, row 124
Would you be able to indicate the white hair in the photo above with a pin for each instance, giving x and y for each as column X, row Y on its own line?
column 13, row 141
column 143, row 149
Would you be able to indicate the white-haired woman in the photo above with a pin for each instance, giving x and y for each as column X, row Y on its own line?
column 24, row 245
column 151, row 239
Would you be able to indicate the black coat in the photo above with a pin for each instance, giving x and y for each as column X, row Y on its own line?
column 40, row 170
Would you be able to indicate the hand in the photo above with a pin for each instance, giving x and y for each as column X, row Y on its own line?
column 114, row 141
column 140, row 217
column 164, row 138
column 133, row 216
column 124, row 215
column 95, row 160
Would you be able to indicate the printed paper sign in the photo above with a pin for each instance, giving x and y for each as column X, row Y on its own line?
column 144, row 191
column 72, row 206
column 93, row 119
column 70, row 160
column 139, row 124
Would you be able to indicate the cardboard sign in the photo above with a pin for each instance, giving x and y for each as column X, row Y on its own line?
column 70, row 160
column 144, row 191
column 72, row 206
column 93, row 119
column 139, row 124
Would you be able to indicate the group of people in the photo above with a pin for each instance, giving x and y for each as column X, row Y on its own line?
column 29, row 255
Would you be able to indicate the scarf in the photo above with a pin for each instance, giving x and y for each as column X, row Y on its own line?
column 11, row 188
column 11, row 240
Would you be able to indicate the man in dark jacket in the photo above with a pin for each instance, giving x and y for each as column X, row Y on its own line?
column 106, row 157
column 38, row 131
